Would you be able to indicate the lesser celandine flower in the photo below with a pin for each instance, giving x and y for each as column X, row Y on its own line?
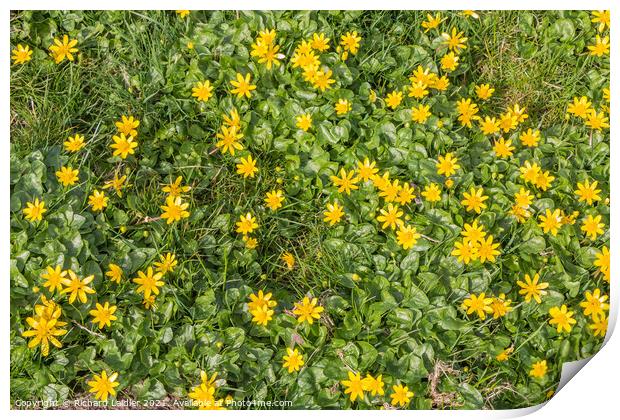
column 21, row 54
column 474, row 200
column 592, row 226
column 34, row 210
column 293, row 360
column 128, row 126
column 432, row 22
column 401, row 395
column 149, row 282
column 54, row 278
column 289, row 260
column 98, row 200
column 307, row 310
column 481, row 305
column 346, row 181
column 562, row 318
column 202, row 91
column 229, row 139
column 103, row 385
column 77, row 288
column 390, row 217
column 595, row 304
column 67, row 176
column 333, row 214
column 167, row 263
column 274, row 199
column 247, row 167
column 114, row 273
column 174, row 210
column 304, row 121
column 246, row 224
column 354, row 386
column 242, row 86
column 123, row 146
column 63, row 49
column 539, row 369
column 74, row 143
column 342, row 106
column 103, row 315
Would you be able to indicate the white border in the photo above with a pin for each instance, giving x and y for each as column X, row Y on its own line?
column 592, row 394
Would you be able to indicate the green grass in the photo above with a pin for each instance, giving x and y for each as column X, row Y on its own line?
column 402, row 317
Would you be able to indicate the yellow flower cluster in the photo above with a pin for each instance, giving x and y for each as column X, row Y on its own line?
column 203, row 394
column 260, row 307
column 355, row 387
column 475, row 245
column 266, row 50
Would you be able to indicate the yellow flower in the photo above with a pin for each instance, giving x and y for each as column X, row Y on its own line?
column 394, row 99
column 175, row 189
column 346, row 182
column 246, row 224
column 149, row 283
column 474, row 200
column 594, row 305
column 242, row 86
column 350, row 43
column 307, row 310
column 127, row 126
column 366, row 170
column 117, row 183
column 480, row 304
column 530, row 138
column 600, row 47
column 602, row 18
column 470, row 13
column 342, row 106
column 520, row 213
column 588, row 192
column 592, row 226
column 597, row 121
column 390, row 217
column 64, row 49
column 465, row 251
column 103, row 315
column 421, row 113
column 449, row 62
column 530, row 172
column 519, row 113
column 417, row 90
column 539, row 369
column 250, row 242
column 174, row 209
column 247, row 167
column 500, row 306
column 447, row 165
column 374, row 385
column 304, row 121
column 401, row 395
column 487, row 250
column 167, row 263
column 508, row 121
column 562, row 317
column 550, row 222
column 432, row 22
column 599, row 326
column 55, row 277
column 489, row 125
column 389, row 190
column 98, row 200
column 102, row 386
column 267, row 54
column 503, row 148
column 274, row 199
column 322, row 79
column 203, row 396
column 67, row 176
column 261, row 299
column 34, row 210
column 232, row 120
column 202, row 91
column 602, row 261
column 354, row 386
column 229, row 140
column 115, row 273
column 289, row 260
column 455, row 41
column 484, row 91
column 467, row 111
column 531, row 288
column 149, row 302
column 319, row 42
column 580, row 107
column 123, row 146
column 432, row 193
column 473, row 233
column 44, row 327
column 503, row 356
column 543, row 180
column 293, row 360
column 406, row 194
column 21, row 54
column 75, row 143
column 77, row 287
column 262, row 315
column 267, row 36
column 407, row 236
column 333, row 214
column 523, row 198
column 182, row 13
